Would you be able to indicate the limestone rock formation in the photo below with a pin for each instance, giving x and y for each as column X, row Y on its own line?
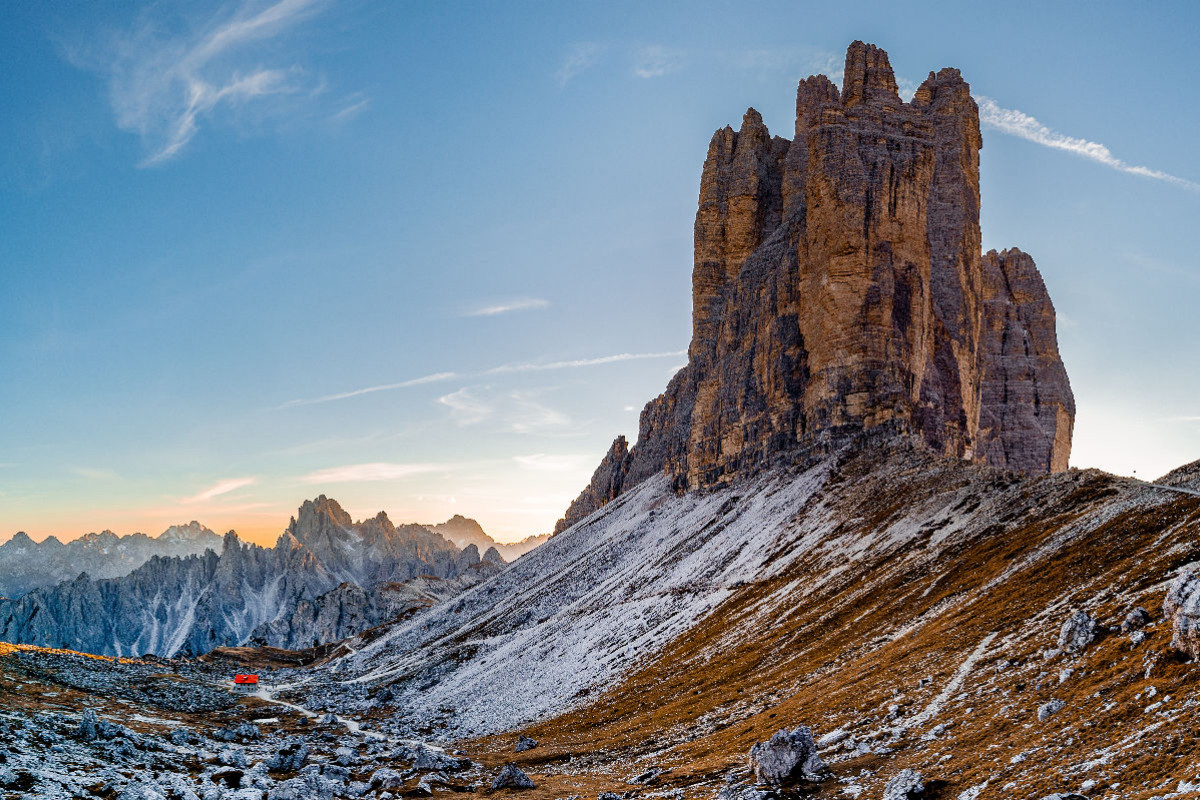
column 1077, row 632
column 908, row 784
column 786, row 757
column 839, row 292
column 1182, row 608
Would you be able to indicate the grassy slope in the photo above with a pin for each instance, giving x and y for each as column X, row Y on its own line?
column 954, row 555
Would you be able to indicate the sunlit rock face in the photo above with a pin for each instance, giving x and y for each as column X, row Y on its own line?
column 840, row 292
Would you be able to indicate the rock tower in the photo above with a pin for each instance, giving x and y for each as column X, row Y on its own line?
column 839, row 291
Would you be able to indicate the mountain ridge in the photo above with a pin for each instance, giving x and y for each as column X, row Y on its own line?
column 26, row 565
column 285, row 596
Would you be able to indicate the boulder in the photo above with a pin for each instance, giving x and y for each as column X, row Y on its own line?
column 1049, row 709
column 309, row 786
column 290, row 757
column 511, row 777
column 426, row 758
column 1077, row 632
column 907, row 784
column 385, row 778
column 525, row 743
column 88, row 726
column 1135, row 620
column 786, row 757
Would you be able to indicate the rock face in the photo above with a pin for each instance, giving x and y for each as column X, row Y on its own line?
column 839, row 292
column 1182, row 608
column 351, row 609
column 786, row 757
column 311, row 587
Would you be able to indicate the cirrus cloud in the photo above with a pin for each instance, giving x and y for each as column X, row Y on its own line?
column 367, row 473
column 1017, row 123
column 164, row 81
column 219, row 488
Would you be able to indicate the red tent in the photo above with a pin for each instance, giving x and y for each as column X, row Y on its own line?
column 246, row 680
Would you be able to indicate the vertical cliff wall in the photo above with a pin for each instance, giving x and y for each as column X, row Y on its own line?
column 839, row 288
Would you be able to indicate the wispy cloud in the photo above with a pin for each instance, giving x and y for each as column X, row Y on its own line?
column 580, row 56
column 526, row 414
column 375, row 471
column 523, row 304
column 436, row 377
column 95, row 474
column 581, row 362
column 466, row 408
column 654, row 61
column 162, row 85
column 503, row 369
column 1018, row 123
column 355, row 106
column 219, row 488
column 546, row 462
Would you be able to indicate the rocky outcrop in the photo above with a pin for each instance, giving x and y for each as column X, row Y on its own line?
column 840, row 293
column 313, row 584
column 511, row 777
column 1077, row 632
column 1181, row 607
column 1027, row 410
column 908, row 784
column 786, row 757
column 605, row 485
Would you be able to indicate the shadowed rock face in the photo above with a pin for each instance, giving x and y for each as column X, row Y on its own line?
column 839, row 291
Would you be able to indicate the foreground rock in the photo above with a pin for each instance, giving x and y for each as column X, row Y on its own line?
column 1182, row 608
column 511, row 777
column 1077, row 632
column 839, row 290
column 786, row 757
column 907, row 785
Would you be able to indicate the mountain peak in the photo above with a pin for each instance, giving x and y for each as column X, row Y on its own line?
column 840, row 295
column 192, row 531
column 868, row 76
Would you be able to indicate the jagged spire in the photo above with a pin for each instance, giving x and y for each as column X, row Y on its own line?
column 868, row 75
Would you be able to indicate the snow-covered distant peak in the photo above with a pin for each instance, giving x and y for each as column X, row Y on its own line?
column 191, row 532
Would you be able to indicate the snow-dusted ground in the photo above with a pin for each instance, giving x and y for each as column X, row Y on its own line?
column 581, row 609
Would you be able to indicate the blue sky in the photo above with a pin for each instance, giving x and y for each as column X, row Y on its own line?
column 220, row 224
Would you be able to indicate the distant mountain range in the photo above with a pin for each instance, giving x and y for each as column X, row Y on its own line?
column 26, row 565
column 464, row 531
column 313, row 586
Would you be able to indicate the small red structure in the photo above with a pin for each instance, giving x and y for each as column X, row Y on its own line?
column 245, row 681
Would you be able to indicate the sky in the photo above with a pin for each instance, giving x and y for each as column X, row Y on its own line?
column 432, row 257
